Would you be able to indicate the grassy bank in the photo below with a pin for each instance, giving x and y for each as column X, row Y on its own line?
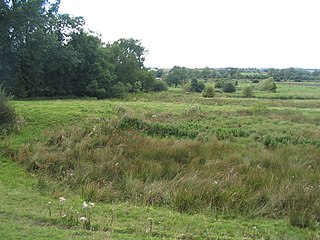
column 163, row 166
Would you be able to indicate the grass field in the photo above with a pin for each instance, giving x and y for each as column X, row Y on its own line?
column 165, row 166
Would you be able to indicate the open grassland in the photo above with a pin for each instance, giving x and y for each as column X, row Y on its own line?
column 164, row 166
column 289, row 90
column 24, row 214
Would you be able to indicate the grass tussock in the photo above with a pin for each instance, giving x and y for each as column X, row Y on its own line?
column 110, row 162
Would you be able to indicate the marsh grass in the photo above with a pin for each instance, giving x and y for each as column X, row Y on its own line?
column 111, row 163
column 245, row 157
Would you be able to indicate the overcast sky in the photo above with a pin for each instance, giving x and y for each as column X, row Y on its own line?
column 213, row 33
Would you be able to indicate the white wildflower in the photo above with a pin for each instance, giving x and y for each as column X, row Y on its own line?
column 62, row 200
column 85, row 205
column 91, row 204
column 83, row 219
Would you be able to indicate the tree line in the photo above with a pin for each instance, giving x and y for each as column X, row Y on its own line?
column 182, row 75
column 45, row 54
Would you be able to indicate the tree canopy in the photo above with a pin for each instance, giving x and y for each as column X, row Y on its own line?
column 44, row 53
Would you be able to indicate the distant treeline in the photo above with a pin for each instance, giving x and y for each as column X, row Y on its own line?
column 47, row 54
column 180, row 75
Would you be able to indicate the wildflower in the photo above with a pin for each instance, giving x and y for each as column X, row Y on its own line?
column 62, row 200
column 49, row 208
column 254, row 227
column 85, row 205
column 83, row 219
column 91, row 204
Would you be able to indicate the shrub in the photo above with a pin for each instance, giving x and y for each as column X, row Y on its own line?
column 219, row 84
column 119, row 90
column 208, row 91
column 159, row 86
column 7, row 112
column 93, row 90
column 268, row 85
column 248, row 92
column 228, row 88
column 186, row 88
column 197, row 86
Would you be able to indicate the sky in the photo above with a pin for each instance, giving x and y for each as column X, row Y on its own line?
column 210, row 33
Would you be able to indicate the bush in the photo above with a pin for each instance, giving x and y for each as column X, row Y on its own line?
column 219, row 84
column 268, row 85
column 7, row 112
column 186, row 88
column 197, row 86
column 159, row 86
column 228, row 88
column 119, row 90
column 248, row 92
column 208, row 91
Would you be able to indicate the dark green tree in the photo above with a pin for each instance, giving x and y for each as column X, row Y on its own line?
column 196, row 85
column 93, row 75
column 33, row 55
column 176, row 76
column 228, row 87
column 128, row 56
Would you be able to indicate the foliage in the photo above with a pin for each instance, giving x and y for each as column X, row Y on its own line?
column 268, row 85
column 248, row 91
column 219, row 84
column 228, row 87
column 176, row 76
column 196, row 85
column 128, row 56
column 47, row 54
column 159, row 86
column 7, row 112
column 208, row 91
column 253, row 74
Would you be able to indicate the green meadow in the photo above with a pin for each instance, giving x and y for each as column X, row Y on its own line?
column 166, row 165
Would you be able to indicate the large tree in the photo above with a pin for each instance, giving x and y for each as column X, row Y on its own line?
column 44, row 53
column 128, row 57
column 32, row 51
column 177, row 76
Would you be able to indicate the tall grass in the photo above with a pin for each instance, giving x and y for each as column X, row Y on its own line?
column 7, row 112
column 110, row 163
